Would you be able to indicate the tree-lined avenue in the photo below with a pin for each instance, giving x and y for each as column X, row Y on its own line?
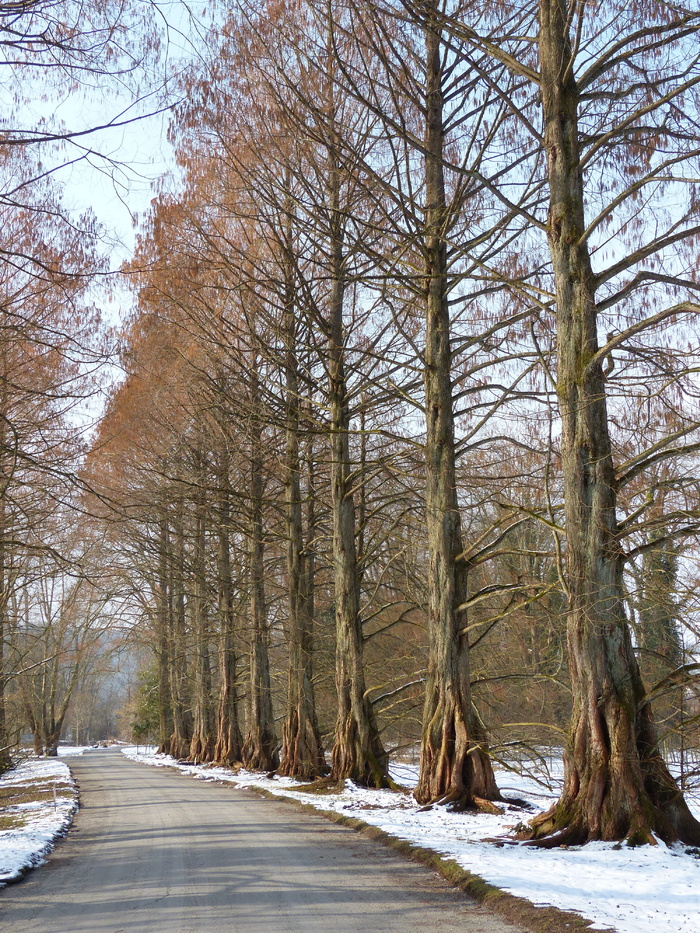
column 153, row 850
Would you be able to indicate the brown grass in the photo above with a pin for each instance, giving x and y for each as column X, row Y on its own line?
column 15, row 795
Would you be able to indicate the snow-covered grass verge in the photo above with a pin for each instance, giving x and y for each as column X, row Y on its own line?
column 640, row 890
column 38, row 799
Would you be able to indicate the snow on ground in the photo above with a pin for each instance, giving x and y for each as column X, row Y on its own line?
column 640, row 890
column 67, row 751
column 40, row 822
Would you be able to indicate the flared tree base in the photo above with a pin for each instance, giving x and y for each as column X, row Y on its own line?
column 259, row 752
column 302, row 753
column 455, row 768
column 623, row 799
column 201, row 750
column 228, row 750
column 179, row 746
column 358, row 755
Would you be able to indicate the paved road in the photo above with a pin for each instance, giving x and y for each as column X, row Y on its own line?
column 156, row 851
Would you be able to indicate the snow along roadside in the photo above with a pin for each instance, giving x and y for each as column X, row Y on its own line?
column 641, row 890
column 40, row 823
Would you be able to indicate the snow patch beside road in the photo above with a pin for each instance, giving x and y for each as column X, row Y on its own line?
column 640, row 890
column 40, row 822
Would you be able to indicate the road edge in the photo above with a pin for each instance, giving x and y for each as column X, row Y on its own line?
column 517, row 910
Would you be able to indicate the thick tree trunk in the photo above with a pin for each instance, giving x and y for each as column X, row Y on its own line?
column 358, row 753
column 616, row 785
column 229, row 740
column 260, row 747
column 455, row 767
column 302, row 751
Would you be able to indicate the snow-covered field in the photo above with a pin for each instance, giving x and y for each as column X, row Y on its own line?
column 39, row 822
column 643, row 890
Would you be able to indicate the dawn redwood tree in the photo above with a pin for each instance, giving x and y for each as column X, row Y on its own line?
column 357, row 752
column 262, row 167
column 617, row 784
column 260, row 745
column 618, row 95
column 455, row 766
column 229, row 740
column 203, row 731
column 452, row 238
column 296, row 67
column 302, row 752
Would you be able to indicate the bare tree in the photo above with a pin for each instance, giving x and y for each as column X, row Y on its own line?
column 609, row 93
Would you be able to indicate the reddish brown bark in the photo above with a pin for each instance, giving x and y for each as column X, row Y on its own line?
column 260, row 746
column 455, row 767
column 302, row 750
column 617, row 785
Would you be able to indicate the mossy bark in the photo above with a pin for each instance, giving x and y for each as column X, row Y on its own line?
column 616, row 783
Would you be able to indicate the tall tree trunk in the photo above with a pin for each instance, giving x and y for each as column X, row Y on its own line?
column 229, row 740
column 259, row 749
column 358, row 753
column 302, row 751
column 5, row 745
column 203, row 735
column 179, row 681
column 54, row 712
column 164, row 648
column 455, row 767
column 616, row 783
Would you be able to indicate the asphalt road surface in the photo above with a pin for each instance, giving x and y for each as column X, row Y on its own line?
column 156, row 851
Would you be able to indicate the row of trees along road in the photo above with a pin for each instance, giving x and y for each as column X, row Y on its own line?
column 415, row 347
column 415, row 350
